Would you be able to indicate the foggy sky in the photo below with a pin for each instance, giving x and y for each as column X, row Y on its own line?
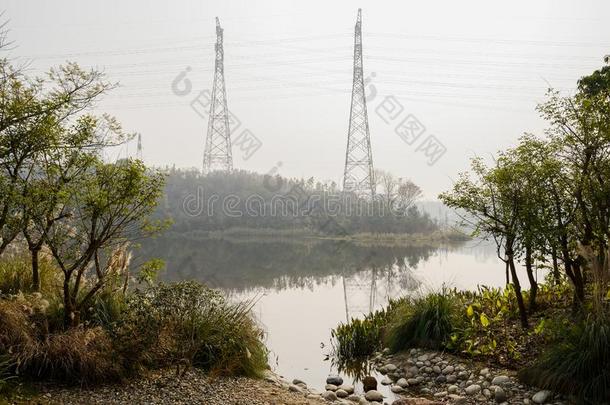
column 471, row 72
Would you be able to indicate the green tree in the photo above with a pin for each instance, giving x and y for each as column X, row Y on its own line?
column 57, row 168
column 580, row 125
column 109, row 208
column 32, row 113
column 490, row 199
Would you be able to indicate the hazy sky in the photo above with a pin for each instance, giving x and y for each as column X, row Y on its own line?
column 471, row 72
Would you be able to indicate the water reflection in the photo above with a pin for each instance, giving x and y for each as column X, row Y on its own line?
column 239, row 266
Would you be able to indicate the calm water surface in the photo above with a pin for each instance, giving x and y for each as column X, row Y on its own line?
column 304, row 288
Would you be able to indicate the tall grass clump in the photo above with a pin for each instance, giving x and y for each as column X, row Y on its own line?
column 578, row 364
column 424, row 322
column 5, row 373
column 188, row 323
column 360, row 337
column 77, row 355
column 16, row 274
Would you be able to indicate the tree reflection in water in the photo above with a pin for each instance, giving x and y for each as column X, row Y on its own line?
column 243, row 265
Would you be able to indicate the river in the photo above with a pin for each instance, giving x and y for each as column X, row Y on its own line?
column 303, row 288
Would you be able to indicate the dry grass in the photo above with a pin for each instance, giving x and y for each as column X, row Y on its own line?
column 77, row 355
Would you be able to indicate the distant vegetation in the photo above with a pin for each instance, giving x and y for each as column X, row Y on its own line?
column 222, row 201
column 546, row 203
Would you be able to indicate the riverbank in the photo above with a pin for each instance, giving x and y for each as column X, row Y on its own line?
column 483, row 354
column 303, row 235
column 163, row 387
column 444, row 377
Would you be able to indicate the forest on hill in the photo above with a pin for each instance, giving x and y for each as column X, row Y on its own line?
column 220, row 201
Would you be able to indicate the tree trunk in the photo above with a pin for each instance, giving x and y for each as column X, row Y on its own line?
column 507, row 274
column 531, row 278
column 579, row 286
column 517, row 285
column 71, row 318
column 573, row 272
column 556, row 275
column 35, row 269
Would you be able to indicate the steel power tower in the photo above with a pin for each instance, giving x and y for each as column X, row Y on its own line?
column 358, row 177
column 217, row 154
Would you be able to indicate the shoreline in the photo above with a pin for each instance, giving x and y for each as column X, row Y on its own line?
column 305, row 236
column 164, row 386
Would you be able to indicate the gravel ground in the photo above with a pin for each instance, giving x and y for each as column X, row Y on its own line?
column 195, row 387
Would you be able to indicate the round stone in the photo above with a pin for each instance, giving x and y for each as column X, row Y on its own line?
column 500, row 395
column 390, row 368
column 329, row 396
column 386, row 381
column 373, row 396
column 541, row 397
column 347, row 388
column 500, row 380
column 341, row 393
column 334, row 380
column 473, row 389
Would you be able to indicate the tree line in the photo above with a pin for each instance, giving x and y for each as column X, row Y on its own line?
column 240, row 199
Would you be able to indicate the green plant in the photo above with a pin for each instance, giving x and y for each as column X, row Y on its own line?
column 578, row 364
column 189, row 323
column 106, row 308
column 483, row 327
column 426, row 321
column 358, row 338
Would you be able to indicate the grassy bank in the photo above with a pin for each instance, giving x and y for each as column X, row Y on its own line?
column 305, row 234
column 562, row 350
column 123, row 333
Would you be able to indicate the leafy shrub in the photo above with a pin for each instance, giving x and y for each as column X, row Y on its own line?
column 426, row 322
column 483, row 322
column 189, row 323
column 578, row 364
column 184, row 323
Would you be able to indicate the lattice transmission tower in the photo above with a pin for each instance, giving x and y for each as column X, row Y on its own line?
column 217, row 154
column 359, row 177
